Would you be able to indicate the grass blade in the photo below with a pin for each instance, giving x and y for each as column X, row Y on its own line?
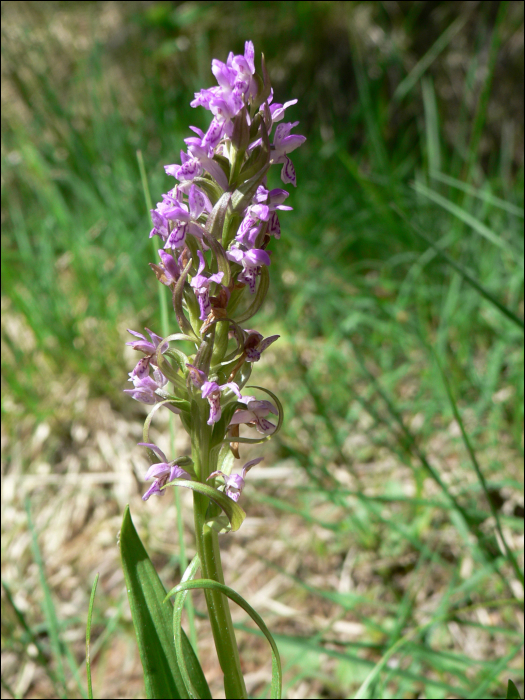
column 510, row 554
column 49, row 609
column 464, row 216
column 475, row 192
column 459, row 268
column 88, row 636
column 421, row 66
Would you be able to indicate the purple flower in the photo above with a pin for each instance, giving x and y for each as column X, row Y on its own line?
column 264, row 208
column 168, row 272
column 162, row 472
column 235, row 79
column 273, row 200
column 236, row 82
column 245, row 67
column 274, row 225
column 234, row 483
column 143, row 345
column 158, row 215
column 183, row 216
column 249, row 229
column 190, row 168
column 160, row 225
column 284, row 143
column 211, row 391
column 255, row 344
column 251, row 260
column 277, row 111
column 255, row 414
column 201, row 153
column 201, row 285
column 238, row 132
column 197, row 376
column 146, row 387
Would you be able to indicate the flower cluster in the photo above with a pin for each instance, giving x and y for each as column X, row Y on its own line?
column 214, row 226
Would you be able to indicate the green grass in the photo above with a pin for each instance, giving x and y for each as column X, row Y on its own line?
column 397, row 288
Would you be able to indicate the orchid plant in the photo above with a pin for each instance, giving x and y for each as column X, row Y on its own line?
column 214, row 227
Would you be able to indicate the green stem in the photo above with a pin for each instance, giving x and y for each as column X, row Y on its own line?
column 211, row 568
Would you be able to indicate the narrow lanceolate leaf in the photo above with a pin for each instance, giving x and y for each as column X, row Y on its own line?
column 172, row 374
column 211, row 188
column 234, row 513
column 152, row 619
column 173, row 401
column 215, row 222
column 260, row 294
column 183, row 322
column 88, row 636
column 512, row 691
column 263, row 94
column 178, row 632
column 220, row 255
column 242, row 196
column 257, row 160
column 207, row 584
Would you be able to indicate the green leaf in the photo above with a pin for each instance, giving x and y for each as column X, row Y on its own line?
column 240, row 139
column 231, row 225
column 208, row 584
column 218, row 251
column 174, row 401
column 210, row 187
column 88, row 637
column 263, row 94
column 234, row 512
column 264, row 283
column 258, row 158
column 224, row 164
column 512, row 691
column 172, row 374
column 243, row 195
column 178, row 607
column 180, row 358
column 226, row 460
column 184, row 324
column 152, row 619
column 215, row 222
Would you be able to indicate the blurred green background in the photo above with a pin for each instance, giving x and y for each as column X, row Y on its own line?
column 384, row 538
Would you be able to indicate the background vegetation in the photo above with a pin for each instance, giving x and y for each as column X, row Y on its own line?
column 384, row 538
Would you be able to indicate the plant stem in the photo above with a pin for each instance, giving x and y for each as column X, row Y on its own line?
column 211, row 568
